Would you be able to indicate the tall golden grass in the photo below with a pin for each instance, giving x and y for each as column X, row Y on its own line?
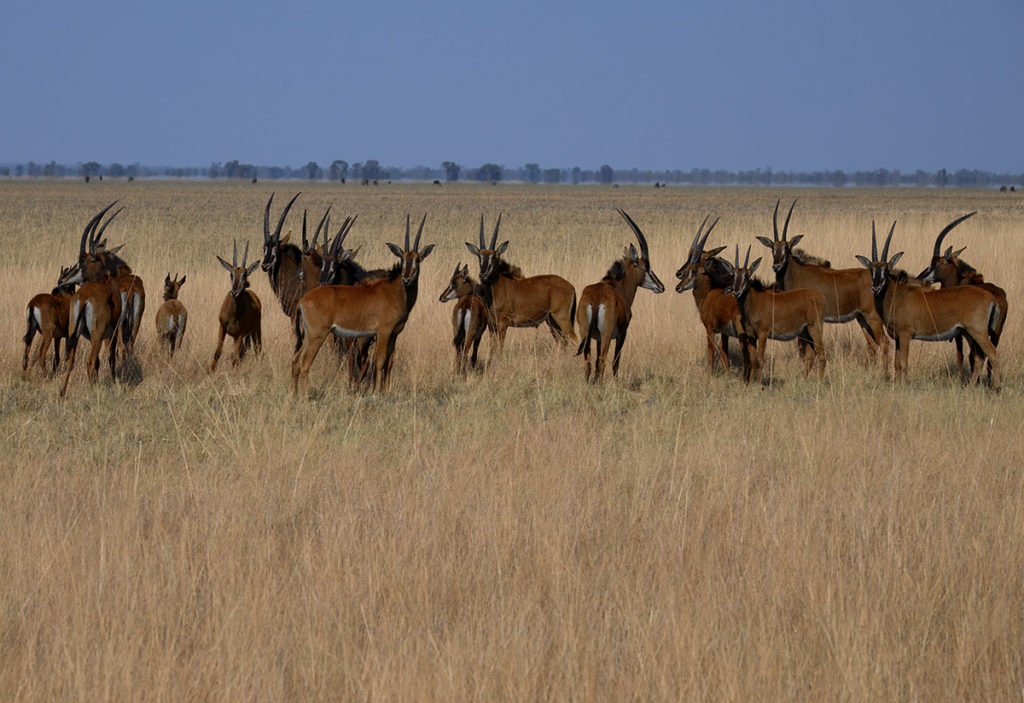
column 517, row 534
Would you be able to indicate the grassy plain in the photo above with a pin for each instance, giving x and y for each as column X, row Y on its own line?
column 516, row 534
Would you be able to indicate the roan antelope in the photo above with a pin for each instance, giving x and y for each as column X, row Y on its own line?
column 915, row 312
column 171, row 317
column 605, row 308
column 240, row 314
column 847, row 291
column 708, row 277
column 469, row 318
column 948, row 269
column 377, row 310
column 47, row 314
column 522, row 302
column 784, row 315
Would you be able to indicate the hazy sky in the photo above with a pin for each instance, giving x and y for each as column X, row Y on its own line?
column 790, row 85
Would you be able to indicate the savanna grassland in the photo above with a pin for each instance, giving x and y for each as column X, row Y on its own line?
column 517, row 534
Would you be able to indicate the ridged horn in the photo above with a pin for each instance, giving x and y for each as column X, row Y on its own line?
column 775, row 221
column 494, row 237
column 885, row 249
column 636, row 230
column 785, row 226
column 483, row 244
column 234, row 254
column 95, row 239
column 947, row 229
column 408, row 218
column 416, row 244
column 284, row 214
column 266, row 220
column 92, row 225
column 874, row 243
column 245, row 254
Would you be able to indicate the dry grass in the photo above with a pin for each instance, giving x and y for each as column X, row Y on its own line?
column 517, row 534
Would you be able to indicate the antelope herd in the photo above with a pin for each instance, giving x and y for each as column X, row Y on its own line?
column 325, row 293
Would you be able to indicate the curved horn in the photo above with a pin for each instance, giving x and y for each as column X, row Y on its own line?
column 284, row 214
column 746, row 261
column 737, row 256
column 305, row 242
column 416, row 244
column 874, row 243
column 775, row 221
column 636, row 230
column 92, row 226
column 234, row 254
column 323, row 220
column 494, row 237
column 245, row 254
column 483, row 244
column 266, row 220
column 706, row 235
column 946, row 230
column 696, row 237
column 99, row 233
column 785, row 227
column 407, row 219
column 885, row 249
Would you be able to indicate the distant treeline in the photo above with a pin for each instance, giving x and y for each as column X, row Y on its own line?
column 372, row 171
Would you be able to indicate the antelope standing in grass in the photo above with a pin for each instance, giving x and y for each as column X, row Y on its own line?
column 522, row 302
column 241, row 312
column 469, row 318
column 708, row 277
column 378, row 310
column 847, row 291
column 171, row 317
column 791, row 314
column 947, row 269
column 605, row 308
column 915, row 312
column 291, row 273
column 47, row 314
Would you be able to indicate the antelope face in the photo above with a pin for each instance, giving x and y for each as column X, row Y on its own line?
column 781, row 248
column 741, row 275
column 488, row 258
column 943, row 270
column 458, row 286
column 648, row 279
column 880, row 267
column 239, row 274
column 330, row 269
column 411, row 262
column 271, row 254
column 172, row 286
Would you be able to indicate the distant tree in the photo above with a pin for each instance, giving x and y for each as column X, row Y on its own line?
column 232, row 170
column 90, row 169
column 451, row 170
column 607, row 175
column 131, row 171
column 942, row 178
column 531, row 173
column 838, row 179
column 372, row 170
column 552, row 175
column 338, row 170
column 215, row 170
column 577, row 175
column 489, row 172
column 50, row 169
column 115, row 170
column 312, row 168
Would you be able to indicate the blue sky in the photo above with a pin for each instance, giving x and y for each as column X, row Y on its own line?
column 790, row 85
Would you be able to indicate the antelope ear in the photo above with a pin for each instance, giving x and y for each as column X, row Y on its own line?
column 465, row 271
column 948, row 253
column 793, row 242
column 728, row 267
column 501, row 249
column 894, row 258
column 181, row 282
column 473, row 249
column 958, row 252
column 253, row 266
column 864, row 261
column 767, row 242
column 715, row 252
column 633, row 255
column 426, row 251
column 753, row 266
column 395, row 249
column 352, row 253
column 284, row 239
column 346, row 255
column 167, row 279
column 226, row 265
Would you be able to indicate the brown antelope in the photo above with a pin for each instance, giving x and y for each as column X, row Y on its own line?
column 241, row 311
column 93, row 313
column 171, row 317
column 47, row 314
column 791, row 314
column 469, row 318
column 605, row 308
column 915, row 312
column 377, row 310
column 291, row 274
column 708, row 277
column 522, row 302
column 96, row 264
column 847, row 291
column 947, row 269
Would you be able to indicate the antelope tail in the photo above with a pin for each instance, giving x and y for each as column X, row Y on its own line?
column 591, row 330
column 994, row 325
column 299, row 336
column 33, row 326
column 572, row 310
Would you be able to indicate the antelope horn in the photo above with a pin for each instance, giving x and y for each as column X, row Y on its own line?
column 946, row 230
column 775, row 221
column 305, row 242
column 708, row 233
column 234, row 254
column 325, row 220
column 284, row 214
column 885, row 249
column 92, row 225
column 245, row 254
column 339, row 238
column 483, row 244
column 407, row 218
column 785, row 227
column 99, row 233
column 636, row 230
column 874, row 243
column 746, row 261
column 494, row 237
column 696, row 238
column 416, row 245
column 266, row 220
column 349, row 221
column 737, row 256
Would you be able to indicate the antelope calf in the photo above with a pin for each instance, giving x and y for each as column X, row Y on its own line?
column 792, row 314
column 469, row 318
column 241, row 311
column 171, row 317
column 914, row 312
column 522, row 302
column 47, row 314
column 605, row 308
column 708, row 277
column 948, row 270
column 378, row 310
column 847, row 291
